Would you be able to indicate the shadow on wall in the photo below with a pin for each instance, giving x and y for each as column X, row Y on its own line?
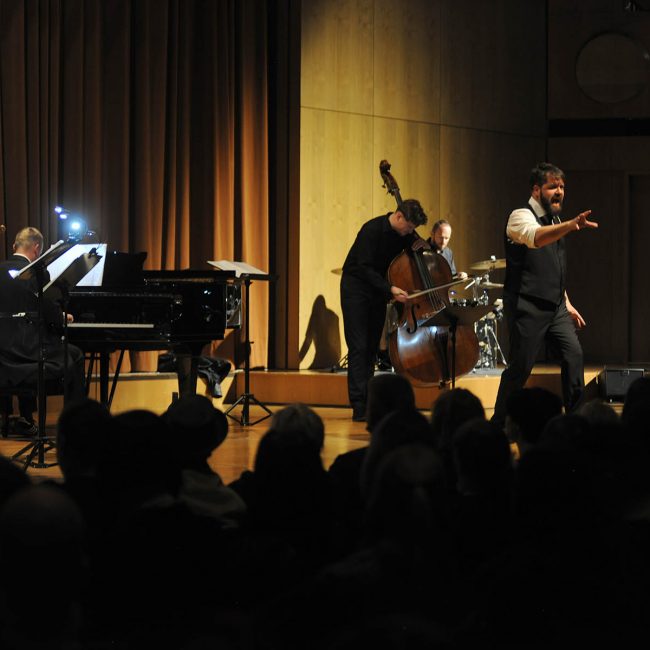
column 323, row 332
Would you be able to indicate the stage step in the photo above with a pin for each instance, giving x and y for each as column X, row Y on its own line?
column 154, row 390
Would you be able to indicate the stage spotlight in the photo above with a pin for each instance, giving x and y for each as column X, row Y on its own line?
column 70, row 227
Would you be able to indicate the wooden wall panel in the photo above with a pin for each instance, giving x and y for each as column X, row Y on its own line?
column 407, row 60
column 336, row 199
column 337, row 55
column 608, row 269
column 572, row 24
column 483, row 177
column 392, row 80
column 413, row 150
column 615, row 154
column 493, row 65
column 597, row 262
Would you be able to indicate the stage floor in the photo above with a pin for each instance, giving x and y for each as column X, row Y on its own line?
column 325, row 392
column 237, row 452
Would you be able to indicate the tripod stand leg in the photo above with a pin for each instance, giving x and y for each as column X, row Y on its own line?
column 246, row 399
column 39, row 447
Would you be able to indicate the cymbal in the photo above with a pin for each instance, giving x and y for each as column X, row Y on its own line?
column 337, row 271
column 489, row 265
column 490, row 285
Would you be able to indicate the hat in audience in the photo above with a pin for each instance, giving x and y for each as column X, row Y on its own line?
column 197, row 425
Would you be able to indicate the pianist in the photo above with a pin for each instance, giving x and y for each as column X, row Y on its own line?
column 19, row 352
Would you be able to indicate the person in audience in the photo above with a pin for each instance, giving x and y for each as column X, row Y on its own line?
column 289, row 502
column 449, row 412
column 402, row 571
column 154, row 543
column 481, row 511
column 197, row 429
column 82, row 430
column 397, row 428
column 386, row 392
column 598, row 413
column 301, row 419
column 528, row 410
column 41, row 530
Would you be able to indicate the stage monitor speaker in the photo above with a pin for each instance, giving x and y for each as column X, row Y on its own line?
column 614, row 382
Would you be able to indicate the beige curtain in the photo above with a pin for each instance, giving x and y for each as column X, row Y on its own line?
column 149, row 118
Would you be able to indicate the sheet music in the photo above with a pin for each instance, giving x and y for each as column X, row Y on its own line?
column 91, row 279
column 238, row 267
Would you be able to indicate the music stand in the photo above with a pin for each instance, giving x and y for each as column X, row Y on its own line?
column 37, row 270
column 453, row 316
column 246, row 274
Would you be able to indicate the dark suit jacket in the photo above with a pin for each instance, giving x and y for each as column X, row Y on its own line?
column 19, row 351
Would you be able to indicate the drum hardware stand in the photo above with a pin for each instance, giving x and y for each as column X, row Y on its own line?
column 247, row 398
column 490, row 349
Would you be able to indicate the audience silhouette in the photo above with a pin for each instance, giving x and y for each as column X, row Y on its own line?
column 436, row 534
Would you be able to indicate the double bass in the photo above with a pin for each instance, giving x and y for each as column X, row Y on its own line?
column 427, row 344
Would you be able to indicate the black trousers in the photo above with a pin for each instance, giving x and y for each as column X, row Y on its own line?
column 364, row 314
column 74, row 387
column 531, row 322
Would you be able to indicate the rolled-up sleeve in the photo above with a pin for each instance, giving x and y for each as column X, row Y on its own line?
column 522, row 227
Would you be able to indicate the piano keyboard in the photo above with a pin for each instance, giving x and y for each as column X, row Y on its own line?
column 112, row 326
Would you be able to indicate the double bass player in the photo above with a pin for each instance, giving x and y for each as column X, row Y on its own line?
column 365, row 291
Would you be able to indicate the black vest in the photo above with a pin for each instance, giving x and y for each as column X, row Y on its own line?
column 536, row 272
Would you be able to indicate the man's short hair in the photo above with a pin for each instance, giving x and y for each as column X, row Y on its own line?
column 27, row 237
column 540, row 173
column 439, row 224
column 413, row 212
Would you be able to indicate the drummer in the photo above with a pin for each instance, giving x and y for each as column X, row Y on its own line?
column 439, row 241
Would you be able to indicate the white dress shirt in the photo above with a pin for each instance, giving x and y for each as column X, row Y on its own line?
column 522, row 225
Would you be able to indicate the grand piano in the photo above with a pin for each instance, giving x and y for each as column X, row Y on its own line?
column 180, row 311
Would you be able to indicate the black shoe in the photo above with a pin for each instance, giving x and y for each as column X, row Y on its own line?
column 358, row 415
column 25, row 427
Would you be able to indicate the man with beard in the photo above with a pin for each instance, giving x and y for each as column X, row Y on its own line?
column 439, row 242
column 535, row 301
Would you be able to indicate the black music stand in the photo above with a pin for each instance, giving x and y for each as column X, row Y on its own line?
column 37, row 270
column 453, row 316
column 247, row 398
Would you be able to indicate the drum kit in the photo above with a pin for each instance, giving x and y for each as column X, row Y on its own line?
column 479, row 286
